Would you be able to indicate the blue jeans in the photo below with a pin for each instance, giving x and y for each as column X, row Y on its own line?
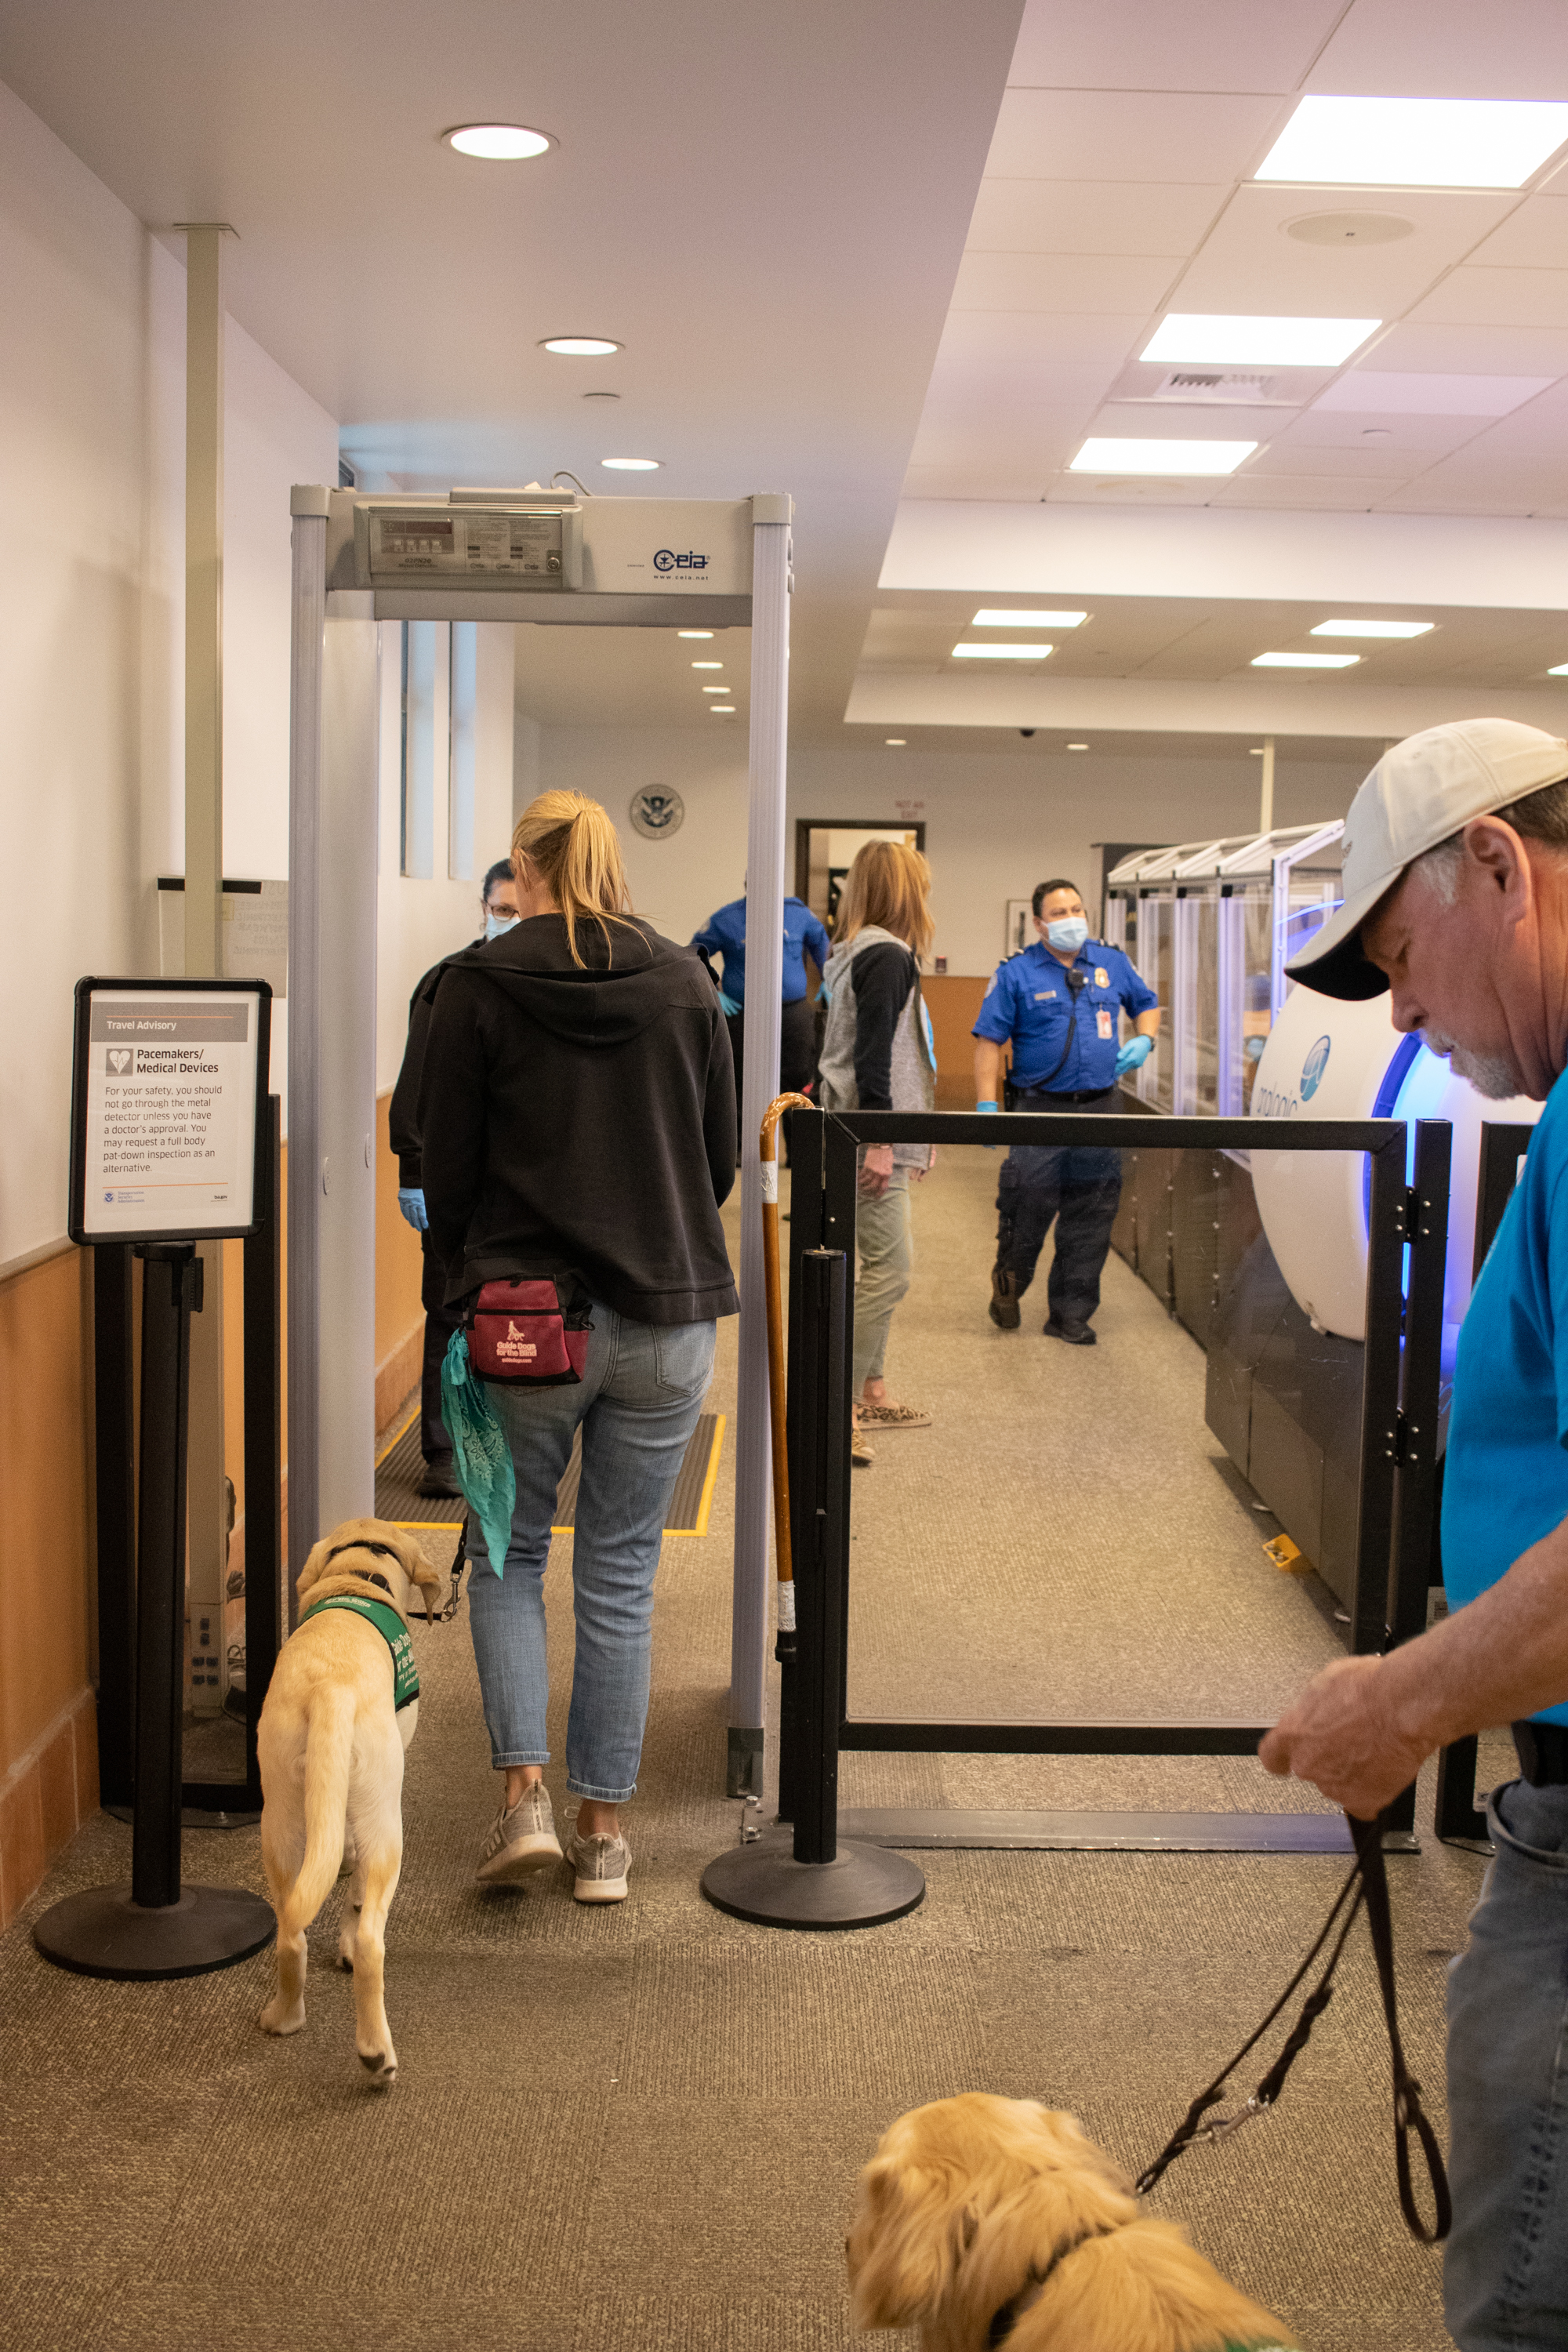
column 1506, row 2267
column 637, row 1402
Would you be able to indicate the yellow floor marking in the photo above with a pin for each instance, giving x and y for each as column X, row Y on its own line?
column 393, row 1442
column 709, row 1483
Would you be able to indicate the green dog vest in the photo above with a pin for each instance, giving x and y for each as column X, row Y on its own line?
column 393, row 1631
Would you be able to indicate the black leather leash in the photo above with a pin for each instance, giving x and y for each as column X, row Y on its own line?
column 448, row 1608
column 1367, row 1884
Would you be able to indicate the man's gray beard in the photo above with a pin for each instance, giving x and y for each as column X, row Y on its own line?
column 1488, row 1073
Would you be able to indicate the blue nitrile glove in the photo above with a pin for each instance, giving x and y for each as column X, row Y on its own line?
column 991, row 1108
column 726, row 1004
column 411, row 1200
column 1134, row 1054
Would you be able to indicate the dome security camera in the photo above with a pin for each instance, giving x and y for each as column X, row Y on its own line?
column 1028, row 733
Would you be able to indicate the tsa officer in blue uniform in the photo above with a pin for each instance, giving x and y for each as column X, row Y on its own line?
column 1059, row 1005
column 724, row 934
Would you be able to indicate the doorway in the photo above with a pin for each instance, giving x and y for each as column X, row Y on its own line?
column 825, row 851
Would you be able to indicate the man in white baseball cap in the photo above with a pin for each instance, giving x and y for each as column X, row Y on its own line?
column 1456, row 880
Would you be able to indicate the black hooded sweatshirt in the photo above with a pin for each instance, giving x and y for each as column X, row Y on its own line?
column 580, row 1121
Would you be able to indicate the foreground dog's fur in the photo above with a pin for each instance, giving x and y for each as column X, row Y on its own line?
column 977, row 2207
column 331, row 1747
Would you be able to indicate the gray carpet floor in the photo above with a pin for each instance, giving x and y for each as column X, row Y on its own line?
column 638, row 2129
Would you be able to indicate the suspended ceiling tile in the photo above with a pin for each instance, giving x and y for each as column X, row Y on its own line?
column 1224, row 45
column 1381, row 461
column 1422, row 347
column 1377, row 392
column 1335, row 493
column 1447, row 49
column 1086, row 283
column 1428, row 495
column 1534, row 237
column 1035, row 343
column 1496, row 297
column 976, row 480
column 1075, row 134
column 1249, row 262
column 1406, row 436
column 1096, row 489
column 1092, row 215
column 1174, row 421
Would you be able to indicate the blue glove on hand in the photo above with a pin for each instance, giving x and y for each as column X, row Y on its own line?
column 411, row 1200
column 727, row 1005
column 984, row 1108
column 1134, row 1054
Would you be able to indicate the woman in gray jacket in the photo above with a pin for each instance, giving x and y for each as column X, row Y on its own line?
column 877, row 1056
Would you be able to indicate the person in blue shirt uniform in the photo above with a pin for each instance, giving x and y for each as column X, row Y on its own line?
column 725, row 935
column 1059, row 1005
column 1455, row 903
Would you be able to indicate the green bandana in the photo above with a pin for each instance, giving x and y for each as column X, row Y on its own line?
column 394, row 1632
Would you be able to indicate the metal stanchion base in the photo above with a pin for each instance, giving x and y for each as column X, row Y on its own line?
column 103, row 1933
column 863, row 1886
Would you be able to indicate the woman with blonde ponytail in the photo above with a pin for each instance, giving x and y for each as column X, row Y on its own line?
column 578, row 1115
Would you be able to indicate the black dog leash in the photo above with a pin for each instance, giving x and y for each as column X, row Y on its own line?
column 448, row 1608
column 1368, row 1884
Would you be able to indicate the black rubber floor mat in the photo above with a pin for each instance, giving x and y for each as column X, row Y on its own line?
column 397, row 1479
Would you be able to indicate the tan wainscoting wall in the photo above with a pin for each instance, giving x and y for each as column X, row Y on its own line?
column 48, row 1744
column 953, row 1000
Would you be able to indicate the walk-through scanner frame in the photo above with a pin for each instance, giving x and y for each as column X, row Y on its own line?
column 635, row 564
column 1397, row 1481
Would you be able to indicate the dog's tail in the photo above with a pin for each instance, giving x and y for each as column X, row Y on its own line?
column 328, row 1750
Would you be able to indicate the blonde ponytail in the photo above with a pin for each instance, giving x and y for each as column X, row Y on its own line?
column 571, row 846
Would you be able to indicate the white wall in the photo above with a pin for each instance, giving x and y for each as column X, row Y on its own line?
column 91, row 619
column 419, row 922
column 995, row 824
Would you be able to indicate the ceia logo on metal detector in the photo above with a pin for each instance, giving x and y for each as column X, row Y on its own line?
column 666, row 560
column 1312, row 1068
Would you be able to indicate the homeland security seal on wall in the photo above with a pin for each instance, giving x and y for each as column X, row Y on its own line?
column 657, row 813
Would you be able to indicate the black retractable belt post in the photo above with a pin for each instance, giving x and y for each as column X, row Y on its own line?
column 807, row 1877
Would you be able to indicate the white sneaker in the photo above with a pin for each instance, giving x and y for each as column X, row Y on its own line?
column 521, row 1842
column 601, row 1864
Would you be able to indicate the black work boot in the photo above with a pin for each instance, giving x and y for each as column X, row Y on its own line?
column 1003, row 1307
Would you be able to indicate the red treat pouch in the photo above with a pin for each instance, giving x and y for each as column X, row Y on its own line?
column 520, row 1331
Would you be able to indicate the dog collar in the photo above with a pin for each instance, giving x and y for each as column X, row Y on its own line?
column 1003, row 2322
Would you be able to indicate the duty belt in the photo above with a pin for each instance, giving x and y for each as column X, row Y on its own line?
column 1044, row 1094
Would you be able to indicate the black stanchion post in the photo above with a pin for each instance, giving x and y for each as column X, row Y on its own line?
column 152, row 1927
column 114, row 1469
column 811, row 1878
column 802, row 1133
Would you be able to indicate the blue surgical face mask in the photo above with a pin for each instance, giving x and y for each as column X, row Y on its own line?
column 496, row 924
column 1068, row 933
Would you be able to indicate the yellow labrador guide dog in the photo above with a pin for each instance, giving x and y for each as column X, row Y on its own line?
column 339, row 1713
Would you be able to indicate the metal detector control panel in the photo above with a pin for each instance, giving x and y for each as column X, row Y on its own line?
column 510, row 547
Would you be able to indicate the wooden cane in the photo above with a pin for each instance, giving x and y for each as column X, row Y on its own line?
column 769, row 1154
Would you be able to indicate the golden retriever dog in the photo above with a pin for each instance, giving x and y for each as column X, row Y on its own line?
column 986, row 2222
column 331, row 1743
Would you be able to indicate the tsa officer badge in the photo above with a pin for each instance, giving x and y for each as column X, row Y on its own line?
column 657, row 812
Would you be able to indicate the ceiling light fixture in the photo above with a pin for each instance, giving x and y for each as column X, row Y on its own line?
column 1078, row 747
column 1304, row 661
column 499, row 142
column 632, row 465
column 1105, row 457
column 1000, row 653
column 579, row 347
column 1561, row 670
column 707, row 665
column 721, row 709
column 1223, row 340
column 715, row 689
column 1417, row 143
column 996, row 619
column 1372, row 628
column 895, row 742
column 694, row 633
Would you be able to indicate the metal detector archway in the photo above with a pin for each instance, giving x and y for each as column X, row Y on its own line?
column 509, row 556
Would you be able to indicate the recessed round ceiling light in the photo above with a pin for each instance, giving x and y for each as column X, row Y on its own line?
column 895, row 742
column 579, row 347
column 716, row 689
column 707, row 665
column 499, row 142
column 632, row 465
column 694, row 633
column 721, row 709
column 1348, row 228
column 1078, row 747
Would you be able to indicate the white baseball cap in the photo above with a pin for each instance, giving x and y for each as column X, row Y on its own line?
column 1420, row 792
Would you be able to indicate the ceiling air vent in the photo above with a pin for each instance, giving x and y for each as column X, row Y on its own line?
column 1214, row 387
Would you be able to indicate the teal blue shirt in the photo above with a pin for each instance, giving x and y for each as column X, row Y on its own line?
column 1506, row 1482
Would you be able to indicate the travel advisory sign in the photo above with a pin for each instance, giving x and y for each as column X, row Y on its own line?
column 166, row 1091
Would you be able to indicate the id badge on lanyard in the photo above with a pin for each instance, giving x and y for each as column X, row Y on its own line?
column 1102, row 1022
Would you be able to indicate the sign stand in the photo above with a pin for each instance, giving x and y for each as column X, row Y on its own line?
column 167, row 1090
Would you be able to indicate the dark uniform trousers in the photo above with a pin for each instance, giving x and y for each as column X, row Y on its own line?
column 798, row 1046
column 440, row 1322
column 1081, row 1188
